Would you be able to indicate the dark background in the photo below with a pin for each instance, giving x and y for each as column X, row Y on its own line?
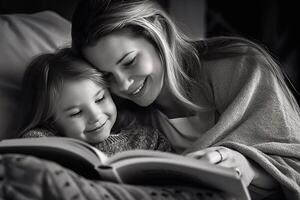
column 272, row 23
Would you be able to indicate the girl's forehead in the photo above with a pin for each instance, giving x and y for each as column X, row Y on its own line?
column 76, row 91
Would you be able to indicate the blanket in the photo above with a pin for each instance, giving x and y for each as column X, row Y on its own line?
column 254, row 116
column 257, row 119
column 30, row 178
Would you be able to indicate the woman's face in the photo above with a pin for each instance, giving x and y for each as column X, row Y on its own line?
column 130, row 64
column 85, row 111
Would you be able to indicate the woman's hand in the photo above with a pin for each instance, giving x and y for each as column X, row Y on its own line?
column 226, row 157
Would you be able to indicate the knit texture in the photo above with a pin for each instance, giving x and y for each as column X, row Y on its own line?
column 139, row 137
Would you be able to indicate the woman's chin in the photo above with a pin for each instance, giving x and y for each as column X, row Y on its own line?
column 143, row 102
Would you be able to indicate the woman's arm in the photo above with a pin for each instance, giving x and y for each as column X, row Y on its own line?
column 261, row 178
column 257, row 119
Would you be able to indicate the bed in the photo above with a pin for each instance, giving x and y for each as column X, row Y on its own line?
column 27, row 30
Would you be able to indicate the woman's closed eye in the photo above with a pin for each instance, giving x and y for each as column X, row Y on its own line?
column 129, row 62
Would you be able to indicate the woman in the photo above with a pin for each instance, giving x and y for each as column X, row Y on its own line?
column 223, row 99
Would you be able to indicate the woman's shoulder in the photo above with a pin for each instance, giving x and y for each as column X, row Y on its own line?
column 235, row 58
column 229, row 49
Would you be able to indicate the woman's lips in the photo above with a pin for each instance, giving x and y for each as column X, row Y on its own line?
column 139, row 90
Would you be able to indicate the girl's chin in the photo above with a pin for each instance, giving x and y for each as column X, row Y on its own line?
column 95, row 138
column 99, row 138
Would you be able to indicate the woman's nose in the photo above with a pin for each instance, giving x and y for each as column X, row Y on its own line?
column 123, row 82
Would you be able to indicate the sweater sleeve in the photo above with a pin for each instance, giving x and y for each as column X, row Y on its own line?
column 38, row 132
column 256, row 118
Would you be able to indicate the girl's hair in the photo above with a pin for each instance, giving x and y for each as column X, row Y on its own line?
column 94, row 19
column 42, row 84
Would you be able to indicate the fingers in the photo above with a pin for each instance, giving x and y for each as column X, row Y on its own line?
column 213, row 155
column 228, row 158
column 216, row 156
column 197, row 154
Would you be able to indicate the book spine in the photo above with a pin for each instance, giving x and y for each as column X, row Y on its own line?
column 108, row 173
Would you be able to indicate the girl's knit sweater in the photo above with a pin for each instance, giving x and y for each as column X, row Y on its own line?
column 139, row 137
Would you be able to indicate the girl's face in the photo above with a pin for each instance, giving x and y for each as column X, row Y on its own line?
column 85, row 111
column 131, row 65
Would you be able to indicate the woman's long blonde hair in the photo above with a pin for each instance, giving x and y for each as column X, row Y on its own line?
column 94, row 19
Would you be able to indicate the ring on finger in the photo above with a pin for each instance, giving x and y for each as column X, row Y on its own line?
column 238, row 171
column 222, row 158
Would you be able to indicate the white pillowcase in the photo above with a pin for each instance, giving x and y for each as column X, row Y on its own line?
column 22, row 37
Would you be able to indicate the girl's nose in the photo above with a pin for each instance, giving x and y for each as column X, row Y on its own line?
column 95, row 115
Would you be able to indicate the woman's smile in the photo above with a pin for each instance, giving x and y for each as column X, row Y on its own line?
column 132, row 64
column 139, row 91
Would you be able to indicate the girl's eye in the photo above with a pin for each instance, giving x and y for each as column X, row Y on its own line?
column 76, row 114
column 130, row 62
column 99, row 99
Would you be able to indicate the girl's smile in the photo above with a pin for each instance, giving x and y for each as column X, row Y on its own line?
column 86, row 111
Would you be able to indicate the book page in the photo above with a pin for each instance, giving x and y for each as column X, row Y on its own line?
column 146, row 166
column 180, row 171
column 140, row 153
column 54, row 145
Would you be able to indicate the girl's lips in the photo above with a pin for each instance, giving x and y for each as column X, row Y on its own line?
column 96, row 129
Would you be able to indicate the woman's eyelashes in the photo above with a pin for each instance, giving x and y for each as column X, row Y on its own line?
column 109, row 77
column 130, row 62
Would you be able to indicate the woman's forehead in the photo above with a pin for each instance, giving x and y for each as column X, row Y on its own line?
column 111, row 48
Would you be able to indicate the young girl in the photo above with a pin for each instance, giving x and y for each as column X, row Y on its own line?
column 64, row 96
column 221, row 99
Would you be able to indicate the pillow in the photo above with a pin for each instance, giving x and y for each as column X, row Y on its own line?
column 22, row 37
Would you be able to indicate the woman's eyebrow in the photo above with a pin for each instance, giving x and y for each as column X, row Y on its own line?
column 120, row 60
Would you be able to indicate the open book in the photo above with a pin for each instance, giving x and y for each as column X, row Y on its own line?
column 132, row 167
